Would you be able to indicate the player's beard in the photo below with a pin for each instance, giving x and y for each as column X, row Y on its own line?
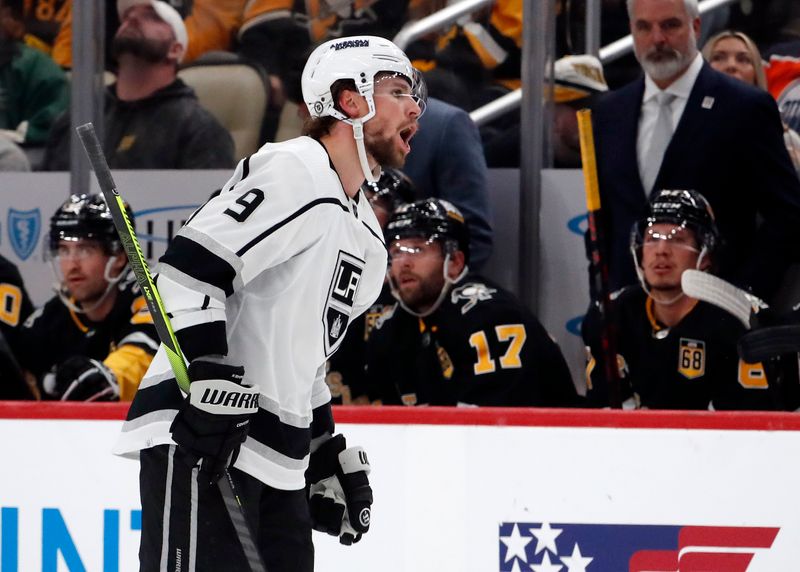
column 384, row 150
column 147, row 49
column 663, row 62
column 424, row 295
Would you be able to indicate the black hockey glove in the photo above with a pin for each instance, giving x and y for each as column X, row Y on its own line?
column 80, row 378
column 340, row 498
column 214, row 419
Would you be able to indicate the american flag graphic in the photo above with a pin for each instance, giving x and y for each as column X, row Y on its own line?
column 546, row 547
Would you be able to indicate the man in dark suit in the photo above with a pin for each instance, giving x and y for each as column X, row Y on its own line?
column 446, row 162
column 686, row 126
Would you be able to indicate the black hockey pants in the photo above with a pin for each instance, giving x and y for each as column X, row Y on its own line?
column 185, row 527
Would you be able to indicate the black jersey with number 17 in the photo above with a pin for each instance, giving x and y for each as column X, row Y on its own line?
column 480, row 347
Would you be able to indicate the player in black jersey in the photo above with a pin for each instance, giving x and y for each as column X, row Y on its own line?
column 675, row 352
column 15, row 307
column 454, row 338
column 345, row 373
column 94, row 340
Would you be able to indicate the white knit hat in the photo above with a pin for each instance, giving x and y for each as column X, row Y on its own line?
column 167, row 13
column 577, row 77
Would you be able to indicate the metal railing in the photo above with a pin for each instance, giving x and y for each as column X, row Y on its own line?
column 607, row 54
column 438, row 20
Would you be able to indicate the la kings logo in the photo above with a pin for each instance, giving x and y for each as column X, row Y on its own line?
column 341, row 297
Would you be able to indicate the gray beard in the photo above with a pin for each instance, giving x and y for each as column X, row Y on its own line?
column 669, row 67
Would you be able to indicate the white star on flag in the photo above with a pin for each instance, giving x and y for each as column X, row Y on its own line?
column 515, row 567
column 546, row 538
column 545, row 565
column 577, row 562
column 516, row 544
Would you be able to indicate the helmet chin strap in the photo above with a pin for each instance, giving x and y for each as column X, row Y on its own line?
column 643, row 282
column 358, row 135
column 111, row 281
column 448, row 283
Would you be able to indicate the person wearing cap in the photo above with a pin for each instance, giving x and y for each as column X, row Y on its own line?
column 673, row 351
column 452, row 337
column 577, row 82
column 685, row 125
column 153, row 120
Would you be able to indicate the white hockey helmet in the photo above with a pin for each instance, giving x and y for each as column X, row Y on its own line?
column 359, row 58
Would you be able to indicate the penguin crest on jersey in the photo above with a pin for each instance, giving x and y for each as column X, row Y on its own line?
column 473, row 293
column 341, row 297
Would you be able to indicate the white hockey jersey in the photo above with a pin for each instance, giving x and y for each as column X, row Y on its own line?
column 270, row 272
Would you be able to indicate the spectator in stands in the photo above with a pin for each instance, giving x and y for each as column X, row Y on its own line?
column 16, row 308
column 735, row 54
column 280, row 34
column 577, row 82
column 727, row 144
column 210, row 25
column 152, row 119
column 96, row 338
column 454, row 338
column 12, row 157
column 674, row 352
column 45, row 26
column 345, row 368
column 447, row 162
column 33, row 89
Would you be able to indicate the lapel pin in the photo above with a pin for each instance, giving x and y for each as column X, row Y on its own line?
column 708, row 102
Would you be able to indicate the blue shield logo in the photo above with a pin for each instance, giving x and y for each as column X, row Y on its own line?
column 23, row 231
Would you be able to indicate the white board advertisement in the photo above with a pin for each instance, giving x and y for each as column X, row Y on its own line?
column 475, row 491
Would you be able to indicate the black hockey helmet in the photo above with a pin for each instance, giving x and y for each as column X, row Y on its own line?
column 685, row 208
column 392, row 190
column 432, row 219
column 85, row 216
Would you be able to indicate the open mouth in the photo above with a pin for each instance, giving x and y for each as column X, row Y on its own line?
column 406, row 135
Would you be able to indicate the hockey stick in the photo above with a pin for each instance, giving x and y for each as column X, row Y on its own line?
column 714, row 290
column 608, row 334
column 127, row 236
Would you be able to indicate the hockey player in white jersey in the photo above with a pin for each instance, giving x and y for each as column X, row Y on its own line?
column 260, row 285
